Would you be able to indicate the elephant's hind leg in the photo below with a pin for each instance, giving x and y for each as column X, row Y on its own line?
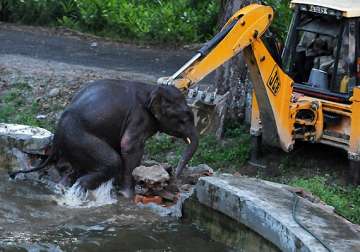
column 97, row 159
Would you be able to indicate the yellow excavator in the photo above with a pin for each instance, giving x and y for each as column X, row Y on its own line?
column 307, row 92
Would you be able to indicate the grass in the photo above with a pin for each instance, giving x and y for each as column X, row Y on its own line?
column 222, row 155
column 345, row 200
column 16, row 108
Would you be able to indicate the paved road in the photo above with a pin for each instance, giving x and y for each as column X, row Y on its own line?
column 43, row 44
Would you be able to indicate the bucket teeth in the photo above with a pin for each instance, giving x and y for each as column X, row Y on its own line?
column 209, row 109
column 205, row 96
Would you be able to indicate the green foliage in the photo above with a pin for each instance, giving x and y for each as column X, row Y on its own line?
column 227, row 154
column 34, row 11
column 345, row 200
column 282, row 17
column 15, row 108
column 147, row 20
column 155, row 20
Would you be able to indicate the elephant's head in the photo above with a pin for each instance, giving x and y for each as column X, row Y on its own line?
column 167, row 104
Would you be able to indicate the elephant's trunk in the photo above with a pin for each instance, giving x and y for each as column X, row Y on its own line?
column 192, row 140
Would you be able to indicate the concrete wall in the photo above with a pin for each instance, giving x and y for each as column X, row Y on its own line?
column 17, row 141
column 266, row 208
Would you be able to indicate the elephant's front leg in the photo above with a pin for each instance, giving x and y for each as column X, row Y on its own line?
column 131, row 161
column 132, row 150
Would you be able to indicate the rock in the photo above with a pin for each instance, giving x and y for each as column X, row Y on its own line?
column 40, row 117
column 192, row 174
column 201, row 169
column 150, row 180
column 54, row 92
column 151, row 175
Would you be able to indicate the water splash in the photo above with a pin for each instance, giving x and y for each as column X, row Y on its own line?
column 77, row 197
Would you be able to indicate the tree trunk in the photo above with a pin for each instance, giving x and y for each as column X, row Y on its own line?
column 4, row 11
column 232, row 76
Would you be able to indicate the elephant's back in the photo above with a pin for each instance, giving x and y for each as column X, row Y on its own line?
column 102, row 95
column 121, row 89
column 103, row 106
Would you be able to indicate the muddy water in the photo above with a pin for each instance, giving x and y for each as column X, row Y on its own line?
column 36, row 217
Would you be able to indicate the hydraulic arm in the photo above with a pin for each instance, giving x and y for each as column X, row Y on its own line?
column 273, row 88
column 241, row 30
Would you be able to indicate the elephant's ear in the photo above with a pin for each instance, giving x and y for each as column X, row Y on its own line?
column 155, row 104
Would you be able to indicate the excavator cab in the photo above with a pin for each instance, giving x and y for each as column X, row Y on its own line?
column 321, row 52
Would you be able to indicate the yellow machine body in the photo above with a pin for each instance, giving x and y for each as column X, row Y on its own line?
column 276, row 108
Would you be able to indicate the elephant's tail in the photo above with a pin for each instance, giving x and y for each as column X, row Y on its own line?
column 37, row 168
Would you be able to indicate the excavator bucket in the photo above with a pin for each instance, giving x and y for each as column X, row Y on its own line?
column 209, row 111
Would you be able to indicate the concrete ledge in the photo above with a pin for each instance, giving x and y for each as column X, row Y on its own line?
column 17, row 141
column 266, row 208
column 29, row 139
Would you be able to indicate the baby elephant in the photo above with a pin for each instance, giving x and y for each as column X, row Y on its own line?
column 102, row 132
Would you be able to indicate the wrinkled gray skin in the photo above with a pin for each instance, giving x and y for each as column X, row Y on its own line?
column 103, row 131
